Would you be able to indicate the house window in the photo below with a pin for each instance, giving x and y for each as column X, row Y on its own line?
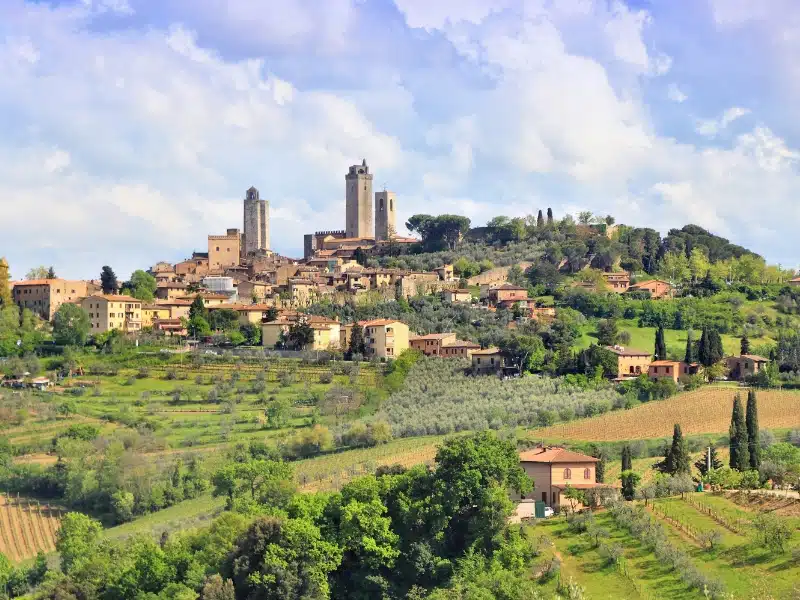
column 567, row 473
column 587, row 473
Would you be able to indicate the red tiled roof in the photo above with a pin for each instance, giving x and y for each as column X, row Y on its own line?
column 432, row 336
column 487, row 352
column 114, row 298
column 378, row 322
column 755, row 357
column 462, row 344
column 554, row 455
column 665, row 363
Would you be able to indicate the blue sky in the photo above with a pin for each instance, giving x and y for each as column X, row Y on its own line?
column 132, row 128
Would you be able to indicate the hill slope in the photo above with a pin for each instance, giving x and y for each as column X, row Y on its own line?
column 707, row 410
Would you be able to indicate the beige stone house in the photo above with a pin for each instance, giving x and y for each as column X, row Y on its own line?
column 154, row 312
column 553, row 469
column 630, row 362
column 618, row 282
column 224, row 250
column 489, row 361
column 445, row 345
column 464, row 296
column 746, row 365
column 170, row 289
column 657, row 288
column 123, row 313
column 326, row 331
column 44, row 296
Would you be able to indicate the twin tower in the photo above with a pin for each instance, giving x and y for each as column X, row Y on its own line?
column 359, row 217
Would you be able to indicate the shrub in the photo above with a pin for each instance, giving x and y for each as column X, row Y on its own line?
column 611, row 553
column 171, row 374
column 326, row 377
column 143, row 373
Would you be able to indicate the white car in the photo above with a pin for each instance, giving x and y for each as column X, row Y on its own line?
column 548, row 512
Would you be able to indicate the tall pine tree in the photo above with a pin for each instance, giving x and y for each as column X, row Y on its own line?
column 540, row 219
column 740, row 459
column 661, row 345
column 744, row 347
column 702, row 463
column 690, row 356
column 679, row 453
column 753, row 445
column 108, row 280
column 627, row 459
column 357, row 346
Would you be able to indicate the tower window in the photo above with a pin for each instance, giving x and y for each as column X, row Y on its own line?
column 381, row 203
column 391, row 204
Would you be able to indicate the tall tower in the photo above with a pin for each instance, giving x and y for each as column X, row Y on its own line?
column 358, row 186
column 256, row 222
column 385, row 205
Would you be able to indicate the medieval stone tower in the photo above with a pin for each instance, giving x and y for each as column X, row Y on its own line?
column 358, row 185
column 385, row 205
column 256, row 222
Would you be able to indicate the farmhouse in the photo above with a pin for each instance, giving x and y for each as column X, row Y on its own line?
column 657, row 288
column 671, row 369
column 489, row 361
column 630, row 362
column 553, row 469
column 745, row 365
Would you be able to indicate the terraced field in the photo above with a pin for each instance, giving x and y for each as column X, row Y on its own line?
column 27, row 527
column 707, row 410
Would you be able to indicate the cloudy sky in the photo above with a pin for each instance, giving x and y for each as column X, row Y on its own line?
column 131, row 128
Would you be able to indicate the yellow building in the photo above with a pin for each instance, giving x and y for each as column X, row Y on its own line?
column 177, row 308
column 254, row 314
column 44, row 296
column 553, row 469
column 326, row 331
column 153, row 312
column 383, row 338
column 113, row 312
column 224, row 250
column 630, row 362
column 209, row 299
column 301, row 291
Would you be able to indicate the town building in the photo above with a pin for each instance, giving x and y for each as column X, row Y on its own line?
column 794, row 282
column 154, row 312
column 327, row 332
column 618, row 282
column 657, row 288
column 553, row 469
column 123, row 313
column 431, row 344
column 507, row 294
column 383, row 338
column 385, row 204
column 224, row 250
column 169, row 327
column 445, row 273
column 43, row 297
column 178, row 307
column 170, row 289
column 630, row 362
column 256, row 223
column 746, row 365
column 358, row 209
column 461, row 296
column 459, row 349
column 489, row 361
column 671, row 369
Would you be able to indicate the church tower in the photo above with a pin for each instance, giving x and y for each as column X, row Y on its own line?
column 358, row 187
column 385, row 205
column 256, row 222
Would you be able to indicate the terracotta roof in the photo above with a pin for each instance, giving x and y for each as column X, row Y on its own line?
column 620, row 351
column 554, row 455
column 487, row 352
column 755, row 357
column 378, row 322
column 651, row 281
column 33, row 282
column 581, row 486
column 173, row 302
column 114, row 298
column 205, row 296
column 432, row 336
column 665, row 363
column 462, row 344
column 510, row 286
column 174, row 285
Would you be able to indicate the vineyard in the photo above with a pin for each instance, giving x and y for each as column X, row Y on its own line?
column 27, row 527
column 707, row 410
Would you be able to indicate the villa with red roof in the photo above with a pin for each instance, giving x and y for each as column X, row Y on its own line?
column 553, row 469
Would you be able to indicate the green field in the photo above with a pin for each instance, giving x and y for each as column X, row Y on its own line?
column 643, row 338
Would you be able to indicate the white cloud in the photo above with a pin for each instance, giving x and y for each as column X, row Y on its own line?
column 675, row 93
column 713, row 127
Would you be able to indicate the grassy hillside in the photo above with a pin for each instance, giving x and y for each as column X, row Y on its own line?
column 707, row 410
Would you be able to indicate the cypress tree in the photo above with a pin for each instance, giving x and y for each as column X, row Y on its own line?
column 540, row 220
column 108, row 280
column 753, row 446
column 549, row 216
column 740, row 459
column 600, row 466
column 661, row 346
column 702, row 463
column 627, row 461
column 703, row 354
column 745, row 345
column 357, row 345
column 690, row 356
column 679, row 453
column 51, row 273
column 717, row 350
